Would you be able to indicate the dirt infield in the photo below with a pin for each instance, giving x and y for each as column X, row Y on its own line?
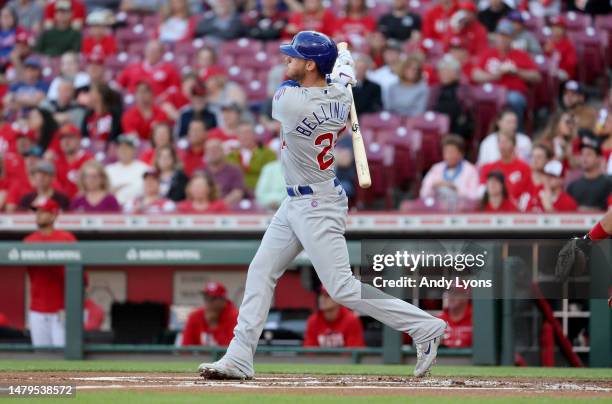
column 320, row 384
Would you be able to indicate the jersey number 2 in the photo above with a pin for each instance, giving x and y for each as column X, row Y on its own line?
column 327, row 140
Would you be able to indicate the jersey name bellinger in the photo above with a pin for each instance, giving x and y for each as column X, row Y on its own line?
column 333, row 111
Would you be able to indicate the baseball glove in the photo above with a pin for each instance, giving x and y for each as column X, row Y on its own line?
column 573, row 258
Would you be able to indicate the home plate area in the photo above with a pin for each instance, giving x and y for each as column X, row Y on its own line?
column 321, row 384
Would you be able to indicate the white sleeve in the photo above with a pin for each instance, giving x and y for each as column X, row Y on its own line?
column 287, row 104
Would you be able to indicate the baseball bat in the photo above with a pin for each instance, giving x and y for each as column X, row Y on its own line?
column 361, row 160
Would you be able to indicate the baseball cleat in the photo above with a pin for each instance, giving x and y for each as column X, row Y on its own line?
column 426, row 356
column 221, row 370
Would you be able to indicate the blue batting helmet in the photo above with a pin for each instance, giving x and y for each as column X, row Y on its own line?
column 312, row 45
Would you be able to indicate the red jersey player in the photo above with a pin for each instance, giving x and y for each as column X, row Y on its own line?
column 333, row 326
column 212, row 324
column 47, row 282
column 458, row 316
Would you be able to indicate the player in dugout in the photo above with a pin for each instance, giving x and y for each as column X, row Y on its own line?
column 458, row 317
column 333, row 325
column 47, row 282
column 212, row 324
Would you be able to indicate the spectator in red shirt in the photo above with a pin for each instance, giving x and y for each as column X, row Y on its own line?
column 560, row 46
column 99, row 39
column 202, row 196
column 496, row 198
column 436, row 20
column 333, row 326
column 458, row 317
column 228, row 177
column 150, row 201
column 161, row 137
column 177, row 98
column 47, row 282
column 212, row 324
column 193, row 156
column 177, row 24
column 140, row 118
column 94, row 186
column 227, row 131
column 551, row 197
column 44, row 173
column 78, row 13
column 356, row 25
column 314, row 17
column 160, row 74
column 516, row 171
column 540, row 156
column 511, row 68
column 103, row 118
column 70, row 158
column 5, row 183
column 465, row 25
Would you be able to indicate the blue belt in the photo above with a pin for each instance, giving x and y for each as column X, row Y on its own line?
column 306, row 189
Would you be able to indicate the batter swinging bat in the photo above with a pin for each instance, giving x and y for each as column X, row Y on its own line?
column 361, row 160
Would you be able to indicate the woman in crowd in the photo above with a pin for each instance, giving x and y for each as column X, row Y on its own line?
column 506, row 122
column 161, row 136
column 150, row 201
column 95, row 195
column 42, row 126
column 172, row 179
column 409, row 97
column 103, row 120
column 496, row 198
column 177, row 23
column 561, row 135
column 202, row 196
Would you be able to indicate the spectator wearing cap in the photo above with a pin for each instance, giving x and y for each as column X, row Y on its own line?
column 193, row 155
column 30, row 90
column 400, row 24
column 29, row 13
column 386, row 75
column 228, row 177
column 463, row 23
column 355, row 25
column 141, row 117
column 176, row 22
column 94, row 191
column 54, row 7
column 453, row 177
column 458, row 50
column 447, row 101
column 126, row 174
column 540, row 156
column 42, row 182
column 313, row 16
column 457, row 314
column 267, row 21
column 161, row 75
column 409, row 97
column 202, row 196
column 70, row 158
column 573, row 95
column 513, row 69
column 197, row 109
column 437, row 18
column 60, row 37
column 93, row 313
column 22, row 170
column 8, row 33
column 333, row 325
column 523, row 38
column 561, row 48
column 103, row 117
column 516, row 172
column 213, row 323
column 99, row 39
column 551, row 197
column 251, row 156
column 150, row 201
column 496, row 198
column 173, row 180
column 505, row 123
column 493, row 13
column 96, row 71
column 46, row 314
column 222, row 22
column 593, row 189
column 367, row 95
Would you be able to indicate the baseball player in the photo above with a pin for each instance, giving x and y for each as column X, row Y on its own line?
column 574, row 255
column 312, row 111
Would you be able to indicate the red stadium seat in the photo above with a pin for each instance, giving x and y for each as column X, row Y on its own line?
column 241, row 75
column 545, row 92
column 604, row 23
column 241, row 47
column 405, row 166
column 433, row 126
column 485, row 101
column 577, row 21
column 591, row 46
column 256, row 91
column 380, row 120
column 379, row 191
column 532, row 22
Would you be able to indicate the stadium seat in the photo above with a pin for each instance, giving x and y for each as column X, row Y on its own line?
column 577, row 22
column 241, row 47
column 591, row 46
column 546, row 91
column 404, row 169
column 240, row 75
column 604, row 23
column 433, row 126
column 485, row 101
column 379, row 191
column 380, row 120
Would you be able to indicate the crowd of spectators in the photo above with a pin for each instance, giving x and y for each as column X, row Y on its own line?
column 163, row 106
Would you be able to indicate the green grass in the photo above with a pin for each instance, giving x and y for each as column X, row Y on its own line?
column 329, row 369
column 248, row 398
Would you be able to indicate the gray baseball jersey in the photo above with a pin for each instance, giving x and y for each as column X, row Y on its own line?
column 311, row 119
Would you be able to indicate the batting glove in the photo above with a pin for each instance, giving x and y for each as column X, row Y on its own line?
column 344, row 75
column 345, row 58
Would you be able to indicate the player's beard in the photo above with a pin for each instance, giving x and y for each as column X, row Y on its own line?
column 297, row 75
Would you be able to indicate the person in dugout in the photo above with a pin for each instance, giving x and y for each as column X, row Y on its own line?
column 333, row 326
column 212, row 324
column 458, row 316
